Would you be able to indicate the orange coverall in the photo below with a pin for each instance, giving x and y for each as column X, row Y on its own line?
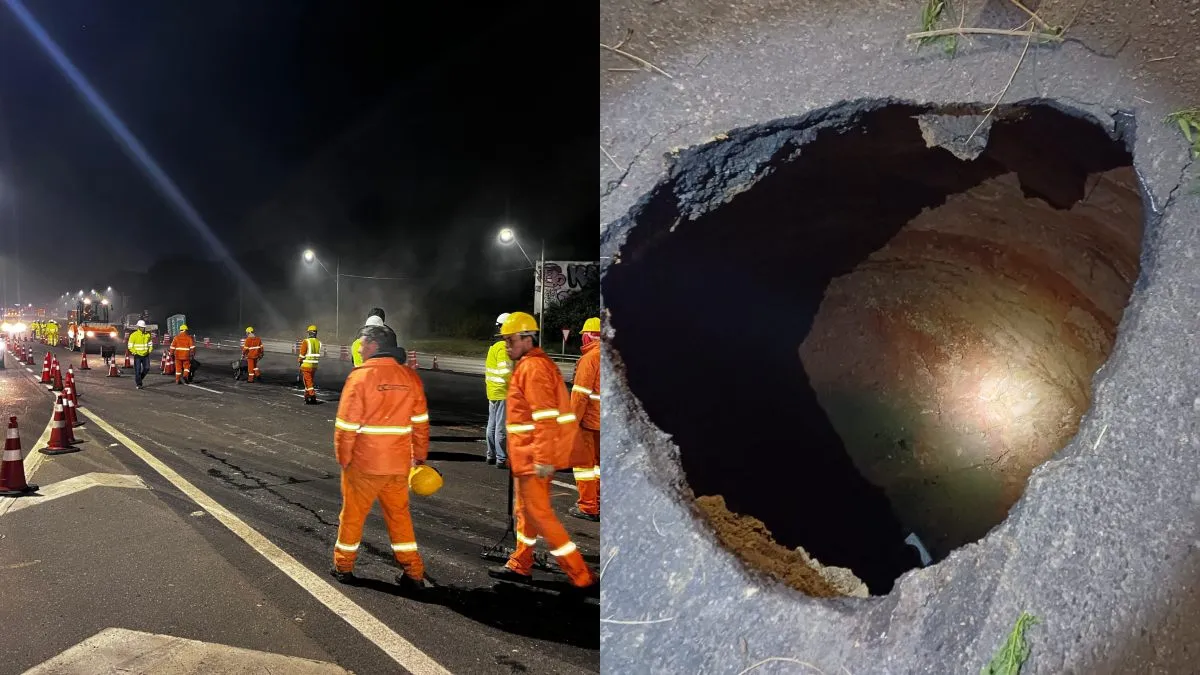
column 381, row 429
column 541, row 430
column 183, row 347
column 252, row 351
column 585, row 403
column 308, row 367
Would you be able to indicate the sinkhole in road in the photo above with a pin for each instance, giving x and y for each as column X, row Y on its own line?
column 856, row 326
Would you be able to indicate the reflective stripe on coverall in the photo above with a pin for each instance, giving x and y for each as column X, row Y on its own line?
column 382, row 426
column 182, row 349
column 252, row 351
column 541, row 430
column 585, row 403
column 310, row 355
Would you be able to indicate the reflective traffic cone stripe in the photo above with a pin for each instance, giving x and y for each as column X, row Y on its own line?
column 59, row 443
column 12, row 470
column 68, row 409
column 74, row 387
column 435, row 363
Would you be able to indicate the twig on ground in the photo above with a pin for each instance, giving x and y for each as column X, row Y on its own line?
column 628, row 36
column 1037, row 19
column 637, row 59
column 781, row 659
column 611, row 159
column 1002, row 92
column 638, row 622
column 626, row 70
column 1050, row 37
column 1161, row 58
column 1100, row 437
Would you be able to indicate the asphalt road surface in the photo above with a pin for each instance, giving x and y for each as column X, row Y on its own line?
column 153, row 557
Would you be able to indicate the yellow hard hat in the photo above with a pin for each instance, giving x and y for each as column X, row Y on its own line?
column 312, row 328
column 424, row 480
column 183, row 327
column 518, row 322
column 249, row 329
column 592, row 325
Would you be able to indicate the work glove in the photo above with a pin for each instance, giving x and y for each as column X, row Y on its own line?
column 543, row 470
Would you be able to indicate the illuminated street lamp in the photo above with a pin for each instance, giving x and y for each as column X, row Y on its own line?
column 310, row 257
column 507, row 237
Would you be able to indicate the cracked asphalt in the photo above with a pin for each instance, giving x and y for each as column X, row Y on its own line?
column 1104, row 546
column 264, row 455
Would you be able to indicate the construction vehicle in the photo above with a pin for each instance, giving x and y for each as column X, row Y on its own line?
column 89, row 327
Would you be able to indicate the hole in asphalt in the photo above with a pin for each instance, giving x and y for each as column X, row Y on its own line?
column 877, row 338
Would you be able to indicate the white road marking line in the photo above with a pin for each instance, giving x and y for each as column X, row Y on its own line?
column 75, row 484
column 400, row 650
column 566, row 485
column 116, row 649
column 206, row 389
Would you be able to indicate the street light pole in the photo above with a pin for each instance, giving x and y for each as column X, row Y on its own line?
column 542, row 300
column 337, row 300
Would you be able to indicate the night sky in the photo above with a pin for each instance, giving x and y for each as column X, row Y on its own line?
column 397, row 142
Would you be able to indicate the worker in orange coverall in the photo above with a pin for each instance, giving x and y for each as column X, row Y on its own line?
column 541, row 433
column 585, row 403
column 183, row 348
column 381, row 432
column 252, row 351
column 310, row 356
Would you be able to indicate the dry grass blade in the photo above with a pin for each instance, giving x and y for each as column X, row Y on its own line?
column 1004, row 91
column 1031, row 34
column 637, row 59
column 636, row 622
column 781, row 659
column 1037, row 19
column 611, row 158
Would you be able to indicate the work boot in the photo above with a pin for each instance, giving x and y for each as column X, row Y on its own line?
column 507, row 574
column 491, row 459
column 580, row 592
column 411, row 586
column 584, row 515
column 342, row 577
column 501, row 464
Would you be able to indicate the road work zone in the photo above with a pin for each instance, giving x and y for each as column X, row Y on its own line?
column 404, row 653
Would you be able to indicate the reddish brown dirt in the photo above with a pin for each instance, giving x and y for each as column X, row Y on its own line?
column 752, row 542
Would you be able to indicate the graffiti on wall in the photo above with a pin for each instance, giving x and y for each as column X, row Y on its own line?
column 563, row 278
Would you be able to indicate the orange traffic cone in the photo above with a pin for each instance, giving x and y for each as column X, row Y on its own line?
column 71, row 401
column 128, row 363
column 435, row 365
column 29, row 357
column 112, row 367
column 56, row 372
column 416, row 360
column 60, row 441
column 47, row 377
column 12, row 471
column 69, row 411
column 83, row 363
